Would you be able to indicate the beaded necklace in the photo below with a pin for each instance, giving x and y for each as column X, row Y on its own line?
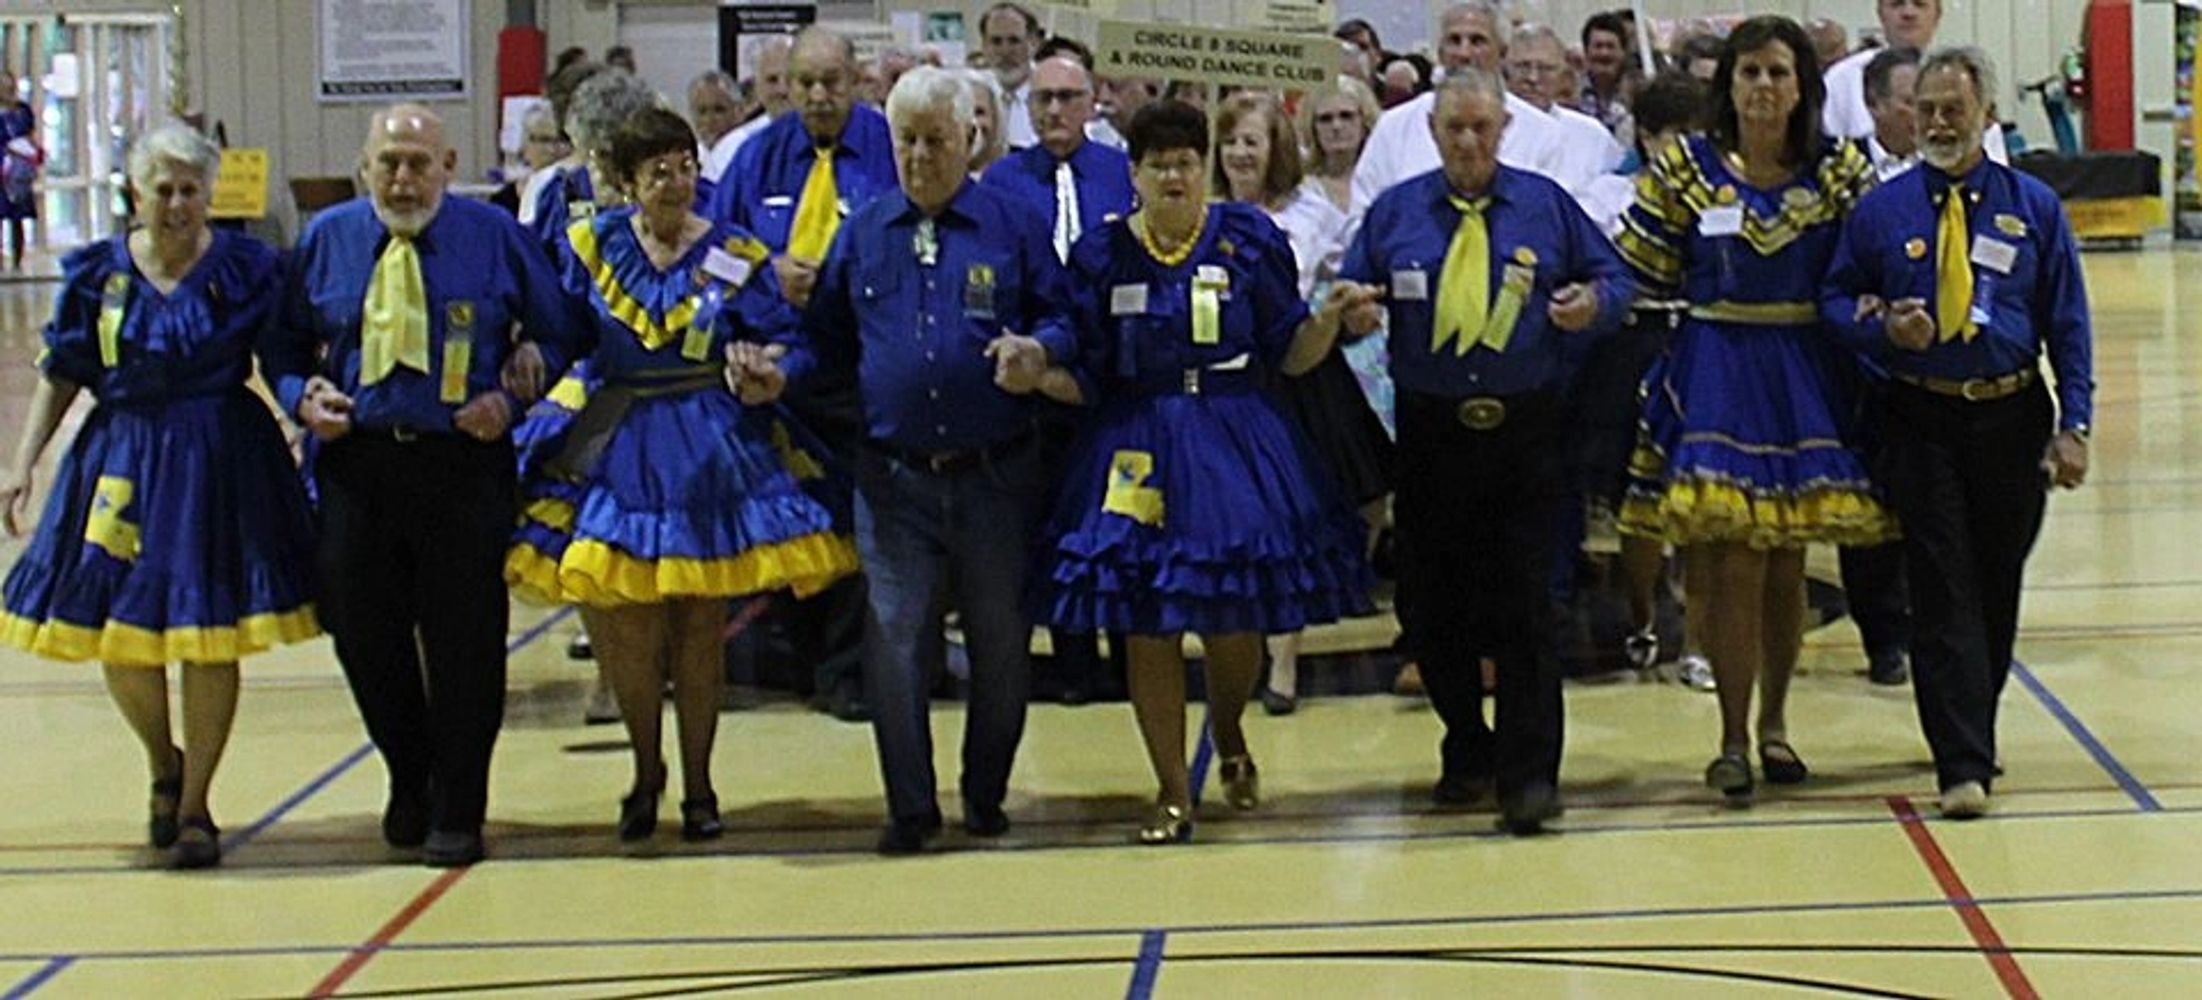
column 1177, row 255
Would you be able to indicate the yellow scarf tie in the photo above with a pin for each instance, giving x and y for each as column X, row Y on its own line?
column 818, row 215
column 393, row 326
column 1953, row 271
column 1464, row 284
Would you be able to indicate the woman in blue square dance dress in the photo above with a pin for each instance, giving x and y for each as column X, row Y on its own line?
column 665, row 495
column 177, row 529
column 1191, row 504
column 1743, row 457
column 20, row 159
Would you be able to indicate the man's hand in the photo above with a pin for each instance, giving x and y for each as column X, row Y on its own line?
column 753, row 372
column 1019, row 361
column 1573, row 307
column 797, row 278
column 523, row 375
column 325, row 410
column 1362, row 309
column 485, row 417
column 2065, row 460
column 1910, row 326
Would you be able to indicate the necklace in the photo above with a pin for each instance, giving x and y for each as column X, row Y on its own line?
column 1175, row 255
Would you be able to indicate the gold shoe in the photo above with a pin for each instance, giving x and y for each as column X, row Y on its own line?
column 1242, row 784
column 1168, row 825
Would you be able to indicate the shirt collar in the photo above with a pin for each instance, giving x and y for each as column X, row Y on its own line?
column 1974, row 179
column 958, row 211
column 1498, row 191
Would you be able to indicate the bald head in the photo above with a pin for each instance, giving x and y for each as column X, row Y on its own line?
column 408, row 164
column 1061, row 104
column 418, row 122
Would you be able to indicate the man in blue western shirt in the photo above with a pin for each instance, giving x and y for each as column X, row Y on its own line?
column 1955, row 278
column 399, row 317
column 1494, row 278
column 1076, row 184
column 793, row 185
column 945, row 299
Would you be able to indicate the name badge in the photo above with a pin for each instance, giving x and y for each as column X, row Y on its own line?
column 978, row 291
column 1128, row 300
column 1995, row 255
column 1411, row 286
column 1212, row 276
column 1721, row 220
column 726, row 267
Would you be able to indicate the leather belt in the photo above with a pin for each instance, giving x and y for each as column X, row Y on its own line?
column 1199, row 381
column 954, row 460
column 1973, row 390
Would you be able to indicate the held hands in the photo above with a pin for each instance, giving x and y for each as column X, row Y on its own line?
column 1358, row 308
column 2065, row 460
column 523, row 375
column 1910, row 326
column 485, row 417
column 797, row 278
column 1573, row 307
column 1019, row 362
column 15, row 500
column 325, row 410
column 753, row 371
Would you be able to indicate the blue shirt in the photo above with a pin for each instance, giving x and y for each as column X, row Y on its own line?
column 1103, row 177
column 1533, row 224
column 1888, row 248
column 644, row 313
column 479, row 267
column 764, row 186
column 1137, row 313
column 194, row 340
column 916, row 334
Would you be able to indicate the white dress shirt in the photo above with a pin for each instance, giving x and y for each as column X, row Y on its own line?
column 1400, row 146
column 1845, row 115
column 1017, row 116
column 1317, row 230
column 1587, row 150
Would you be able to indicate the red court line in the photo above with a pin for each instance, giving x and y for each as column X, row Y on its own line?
column 396, row 925
column 1976, row 920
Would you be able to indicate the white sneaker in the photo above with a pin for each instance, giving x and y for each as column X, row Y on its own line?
column 1695, row 671
column 1965, row 800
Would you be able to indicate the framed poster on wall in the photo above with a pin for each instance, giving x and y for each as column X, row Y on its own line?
column 390, row 50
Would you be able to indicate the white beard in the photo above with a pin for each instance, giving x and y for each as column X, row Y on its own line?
column 409, row 224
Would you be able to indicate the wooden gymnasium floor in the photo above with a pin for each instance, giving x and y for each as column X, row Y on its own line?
column 2087, row 879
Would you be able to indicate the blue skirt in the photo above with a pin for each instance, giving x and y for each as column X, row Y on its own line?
column 176, row 532
column 1201, row 513
column 695, row 495
column 1746, row 438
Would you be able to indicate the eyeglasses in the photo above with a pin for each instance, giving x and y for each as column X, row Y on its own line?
column 663, row 172
column 1533, row 70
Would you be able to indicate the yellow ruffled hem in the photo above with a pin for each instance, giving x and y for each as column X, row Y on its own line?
column 1694, row 512
column 126, row 645
column 598, row 575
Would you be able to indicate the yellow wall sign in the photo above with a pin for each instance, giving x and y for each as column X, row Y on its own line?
column 1268, row 60
column 241, row 189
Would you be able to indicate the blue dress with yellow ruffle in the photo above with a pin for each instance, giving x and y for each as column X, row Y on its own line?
column 1197, row 512
column 695, row 494
column 177, row 529
column 1746, row 432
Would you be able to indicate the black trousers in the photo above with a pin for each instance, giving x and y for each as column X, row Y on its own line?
column 413, row 538
column 1966, row 480
column 1477, row 514
column 1873, row 577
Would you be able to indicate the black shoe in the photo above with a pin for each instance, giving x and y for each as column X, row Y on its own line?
column 1460, row 788
column 579, row 648
column 638, row 814
column 167, row 797
column 985, row 821
column 848, row 704
column 1278, row 704
column 699, row 819
column 453, row 848
column 1525, row 813
column 198, row 844
column 902, row 837
column 1781, row 766
column 405, row 820
column 1073, row 695
column 1890, row 668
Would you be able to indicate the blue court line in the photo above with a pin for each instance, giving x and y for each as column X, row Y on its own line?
column 2134, row 790
column 44, row 975
column 1204, row 755
column 231, row 843
column 1936, row 902
column 1149, row 966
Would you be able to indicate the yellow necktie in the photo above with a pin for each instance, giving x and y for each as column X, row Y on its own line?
column 1953, row 271
column 818, row 214
column 1464, row 285
column 393, row 326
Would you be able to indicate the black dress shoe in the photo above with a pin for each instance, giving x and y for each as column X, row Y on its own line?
column 638, row 814
column 1525, row 813
column 405, row 820
column 198, row 844
column 166, row 798
column 1890, row 668
column 985, row 821
column 1460, row 788
column 453, row 848
column 903, row 837
column 699, row 819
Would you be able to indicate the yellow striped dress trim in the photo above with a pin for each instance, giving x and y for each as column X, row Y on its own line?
column 126, row 645
column 623, row 306
column 598, row 575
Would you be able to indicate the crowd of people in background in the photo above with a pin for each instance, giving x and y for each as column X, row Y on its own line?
column 887, row 346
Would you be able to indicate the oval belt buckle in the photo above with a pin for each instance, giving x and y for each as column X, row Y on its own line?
column 1974, row 390
column 1482, row 413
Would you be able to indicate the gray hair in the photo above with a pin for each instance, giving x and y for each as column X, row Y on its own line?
column 714, row 78
column 1470, row 80
column 1970, row 60
column 1500, row 26
column 1537, row 33
column 173, row 143
column 847, row 44
column 928, row 88
column 537, row 114
column 981, row 81
column 602, row 103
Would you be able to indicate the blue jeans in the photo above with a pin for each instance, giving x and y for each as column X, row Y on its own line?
column 918, row 532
